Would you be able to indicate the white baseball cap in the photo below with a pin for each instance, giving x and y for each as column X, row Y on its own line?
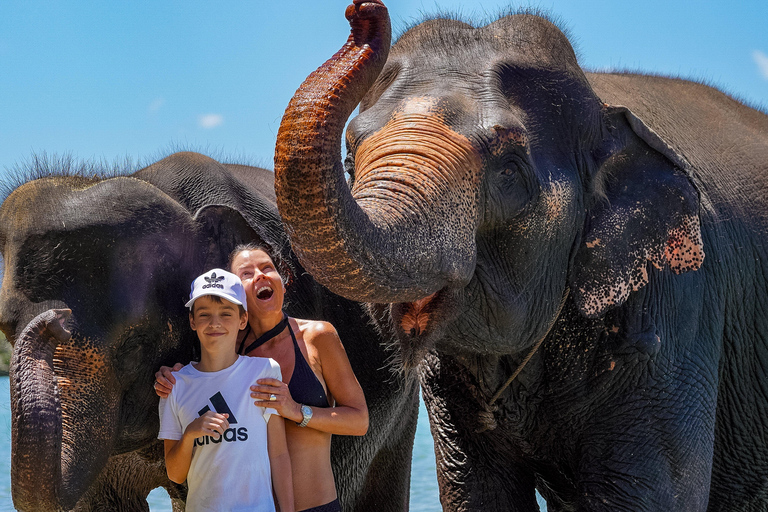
column 220, row 283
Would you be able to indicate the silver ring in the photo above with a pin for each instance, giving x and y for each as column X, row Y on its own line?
column 272, row 398
column 154, row 385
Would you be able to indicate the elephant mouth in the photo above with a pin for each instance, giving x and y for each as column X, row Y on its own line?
column 416, row 316
column 419, row 325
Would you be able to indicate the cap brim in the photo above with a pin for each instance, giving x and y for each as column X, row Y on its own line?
column 216, row 293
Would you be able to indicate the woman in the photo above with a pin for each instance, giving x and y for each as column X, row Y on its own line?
column 319, row 394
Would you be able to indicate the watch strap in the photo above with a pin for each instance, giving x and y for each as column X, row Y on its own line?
column 307, row 415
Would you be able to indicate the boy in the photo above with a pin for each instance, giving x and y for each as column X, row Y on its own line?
column 231, row 452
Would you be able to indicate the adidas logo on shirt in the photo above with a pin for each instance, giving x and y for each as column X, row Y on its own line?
column 231, row 434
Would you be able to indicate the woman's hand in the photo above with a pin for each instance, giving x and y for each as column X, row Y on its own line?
column 283, row 402
column 164, row 380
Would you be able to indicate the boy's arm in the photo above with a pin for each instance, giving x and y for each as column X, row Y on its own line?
column 178, row 456
column 280, row 463
column 178, row 453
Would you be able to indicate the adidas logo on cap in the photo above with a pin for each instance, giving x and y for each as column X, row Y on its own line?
column 220, row 283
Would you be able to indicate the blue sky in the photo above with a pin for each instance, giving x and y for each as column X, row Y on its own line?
column 109, row 81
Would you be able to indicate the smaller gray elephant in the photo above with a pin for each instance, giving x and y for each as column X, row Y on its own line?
column 95, row 275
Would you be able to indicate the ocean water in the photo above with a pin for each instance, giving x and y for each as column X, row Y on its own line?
column 424, row 493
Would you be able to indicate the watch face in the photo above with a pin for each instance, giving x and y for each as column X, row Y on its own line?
column 306, row 412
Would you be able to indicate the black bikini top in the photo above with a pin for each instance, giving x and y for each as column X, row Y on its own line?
column 304, row 386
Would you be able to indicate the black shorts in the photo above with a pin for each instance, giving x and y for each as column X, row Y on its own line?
column 328, row 507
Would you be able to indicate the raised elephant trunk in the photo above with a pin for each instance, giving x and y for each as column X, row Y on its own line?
column 374, row 243
column 36, row 415
column 52, row 466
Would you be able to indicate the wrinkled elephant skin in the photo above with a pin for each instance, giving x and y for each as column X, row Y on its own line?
column 95, row 277
column 498, row 197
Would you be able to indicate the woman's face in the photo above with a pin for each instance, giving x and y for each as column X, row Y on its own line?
column 264, row 287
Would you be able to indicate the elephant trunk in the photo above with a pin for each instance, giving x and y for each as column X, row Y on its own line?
column 64, row 402
column 36, row 414
column 360, row 243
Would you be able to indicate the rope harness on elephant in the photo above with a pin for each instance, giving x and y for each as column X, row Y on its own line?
column 486, row 417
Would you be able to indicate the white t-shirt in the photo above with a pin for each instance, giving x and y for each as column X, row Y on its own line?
column 231, row 472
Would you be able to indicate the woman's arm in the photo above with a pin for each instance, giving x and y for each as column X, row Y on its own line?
column 164, row 380
column 350, row 416
column 280, row 463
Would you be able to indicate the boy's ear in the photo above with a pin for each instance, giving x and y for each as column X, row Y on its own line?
column 243, row 320
column 192, row 321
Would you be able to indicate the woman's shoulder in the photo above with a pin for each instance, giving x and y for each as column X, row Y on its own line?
column 317, row 331
column 322, row 340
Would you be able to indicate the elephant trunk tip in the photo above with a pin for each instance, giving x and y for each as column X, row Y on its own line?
column 365, row 7
column 52, row 325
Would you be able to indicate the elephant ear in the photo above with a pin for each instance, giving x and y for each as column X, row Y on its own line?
column 646, row 210
column 226, row 228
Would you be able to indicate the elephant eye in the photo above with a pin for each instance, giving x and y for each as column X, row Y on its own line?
column 513, row 163
column 509, row 168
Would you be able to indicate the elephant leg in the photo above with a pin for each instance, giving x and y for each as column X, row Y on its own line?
column 126, row 481
column 178, row 494
column 642, row 457
column 394, row 461
column 740, row 466
column 475, row 470
column 377, row 474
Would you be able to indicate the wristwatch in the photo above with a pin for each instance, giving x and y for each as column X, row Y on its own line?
column 306, row 411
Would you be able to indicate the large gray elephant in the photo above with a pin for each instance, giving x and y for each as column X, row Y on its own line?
column 536, row 236
column 119, row 254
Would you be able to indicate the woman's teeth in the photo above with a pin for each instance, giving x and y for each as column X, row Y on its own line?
column 264, row 293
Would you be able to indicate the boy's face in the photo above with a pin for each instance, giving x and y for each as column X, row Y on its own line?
column 216, row 322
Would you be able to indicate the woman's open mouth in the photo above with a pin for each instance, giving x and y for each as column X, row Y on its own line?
column 264, row 293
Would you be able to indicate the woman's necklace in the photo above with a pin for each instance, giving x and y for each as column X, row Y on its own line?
column 264, row 337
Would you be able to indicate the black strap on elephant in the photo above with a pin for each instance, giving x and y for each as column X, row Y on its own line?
column 487, row 420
